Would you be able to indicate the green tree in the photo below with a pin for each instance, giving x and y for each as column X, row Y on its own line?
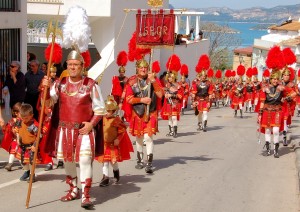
column 223, row 40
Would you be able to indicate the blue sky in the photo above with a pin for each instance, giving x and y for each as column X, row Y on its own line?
column 233, row 4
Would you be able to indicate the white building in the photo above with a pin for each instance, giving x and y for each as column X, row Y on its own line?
column 286, row 34
column 13, row 33
column 109, row 35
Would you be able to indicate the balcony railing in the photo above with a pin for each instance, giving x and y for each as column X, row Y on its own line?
column 46, row 1
column 10, row 5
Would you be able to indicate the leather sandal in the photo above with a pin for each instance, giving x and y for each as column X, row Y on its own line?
column 69, row 196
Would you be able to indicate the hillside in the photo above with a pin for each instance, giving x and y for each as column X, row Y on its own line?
column 254, row 14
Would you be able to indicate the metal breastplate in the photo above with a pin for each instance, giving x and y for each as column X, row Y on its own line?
column 122, row 81
column 257, row 86
column 249, row 88
column 217, row 87
column 202, row 89
column 239, row 89
column 76, row 108
column 273, row 96
column 140, row 89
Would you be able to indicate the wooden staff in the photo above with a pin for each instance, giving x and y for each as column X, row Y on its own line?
column 147, row 115
column 32, row 171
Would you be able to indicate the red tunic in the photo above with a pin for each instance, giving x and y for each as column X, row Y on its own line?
column 202, row 91
column 172, row 105
column 113, row 128
column 238, row 92
column 138, row 124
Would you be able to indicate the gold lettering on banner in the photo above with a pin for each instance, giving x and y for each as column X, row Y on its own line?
column 152, row 31
column 155, row 3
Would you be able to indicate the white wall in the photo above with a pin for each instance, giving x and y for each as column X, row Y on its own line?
column 12, row 20
column 104, row 35
column 188, row 55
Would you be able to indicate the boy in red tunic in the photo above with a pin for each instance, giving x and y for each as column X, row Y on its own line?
column 117, row 145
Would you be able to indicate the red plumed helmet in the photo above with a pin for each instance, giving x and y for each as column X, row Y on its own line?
column 122, row 58
column 233, row 73
column 266, row 73
column 135, row 53
column 275, row 58
column 249, row 72
column 87, row 58
column 156, row 67
column 254, row 71
column 57, row 53
column 289, row 56
column 210, row 73
column 203, row 63
column 184, row 70
column 218, row 74
column 241, row 70
column 173, row 63
column 228, row 73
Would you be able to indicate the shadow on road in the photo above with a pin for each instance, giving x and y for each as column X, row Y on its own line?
column 165, row 163
column 213, row 128
column 50, row 177
column 126, row 185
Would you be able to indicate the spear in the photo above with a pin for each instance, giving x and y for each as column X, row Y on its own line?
column 52, row 30
column 147, row 115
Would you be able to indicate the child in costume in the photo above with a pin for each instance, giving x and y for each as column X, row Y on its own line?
column 9, row 142
column 26, row 139
column 117, row 145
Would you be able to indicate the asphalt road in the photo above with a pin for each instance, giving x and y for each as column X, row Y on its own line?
column 221, row 170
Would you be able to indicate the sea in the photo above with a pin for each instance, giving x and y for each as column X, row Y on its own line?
column 245, row 31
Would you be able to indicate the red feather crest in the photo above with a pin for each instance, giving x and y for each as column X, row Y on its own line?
column 233, row 73
column 87, row 58
column 173, row 63
column 122, row 58
column 241, row 70
column 57, row 53
column 275, row 59
column 218, row 74
column 210, row 72
column 249, row 72
column 184, row 70
column 254, row 71
column 135, row 53
column 266, row 73
column 289, row 56
column 156, row 67
column 228, row 73
column 203, row 63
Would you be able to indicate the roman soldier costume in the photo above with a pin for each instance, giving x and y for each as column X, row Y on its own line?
column 271, row 98
column 249, row 94
column 142, row 116
column 184, row 86
column 118, row 82
column 288, row 76
column 238, row 92
column 202, row 91
column 173, row 96
column 218, row 88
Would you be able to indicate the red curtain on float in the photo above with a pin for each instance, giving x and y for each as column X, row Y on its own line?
column 155, row 28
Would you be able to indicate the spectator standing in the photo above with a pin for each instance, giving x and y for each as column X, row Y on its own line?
column 15, row 83
column 33, row 79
